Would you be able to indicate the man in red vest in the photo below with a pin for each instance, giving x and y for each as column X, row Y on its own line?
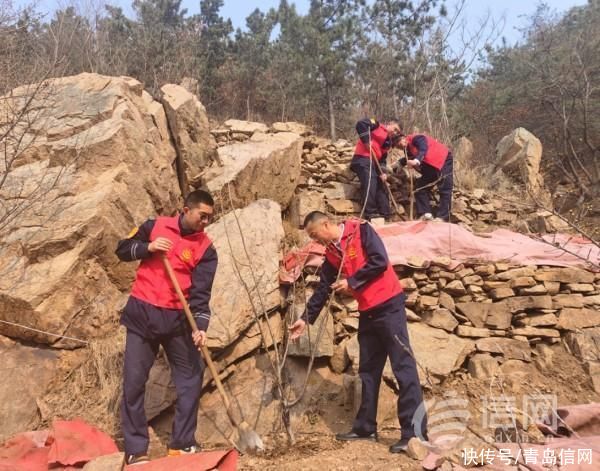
column 154, row 316
column 433, row 160
column 375, row 140
column 368, row 275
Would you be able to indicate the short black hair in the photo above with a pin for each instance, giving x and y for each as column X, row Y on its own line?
column 314, row 216
column 197, row 197
column 392, row 119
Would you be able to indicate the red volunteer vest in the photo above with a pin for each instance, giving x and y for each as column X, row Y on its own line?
column 378, row 137
column 436, row 151
column 152, row 284
column 379, row 290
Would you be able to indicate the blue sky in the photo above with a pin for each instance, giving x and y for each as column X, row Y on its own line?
column 514, row 11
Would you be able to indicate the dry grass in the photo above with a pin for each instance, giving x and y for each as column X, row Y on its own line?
column 92, row 390
column 468, row 178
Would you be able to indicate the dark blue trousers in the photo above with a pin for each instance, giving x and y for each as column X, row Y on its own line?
column 429, row 175
column 187, row 369
column 372, row 188
column 377, row 330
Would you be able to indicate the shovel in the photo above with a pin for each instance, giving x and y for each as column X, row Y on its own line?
column 249, row 440
column 412, row 189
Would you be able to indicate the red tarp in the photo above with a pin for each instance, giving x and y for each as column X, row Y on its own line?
column 438, row 239
column 584, row 419
column 67, row 443
column 310, row 255
column 25, row 452
column 77, row 442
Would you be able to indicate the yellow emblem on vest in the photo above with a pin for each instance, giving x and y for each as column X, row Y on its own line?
column 186, row 255
column 351, row 252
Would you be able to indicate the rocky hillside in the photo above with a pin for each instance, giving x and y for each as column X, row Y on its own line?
column 102, row 156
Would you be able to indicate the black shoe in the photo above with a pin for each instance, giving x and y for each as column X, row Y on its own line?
column 400, row 446
column 352, row 435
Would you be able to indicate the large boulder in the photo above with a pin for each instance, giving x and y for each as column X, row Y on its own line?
column 265, row 166
column 317, row 339
column 437, row 352
column 189, row 127
column 255, row 399
column 248, row 245
column 263, row 334
column 27, row 372
column 519, row 155
column 98, row 162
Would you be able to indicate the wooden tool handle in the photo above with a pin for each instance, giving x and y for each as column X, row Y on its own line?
column 386, row 184
column 194, row 326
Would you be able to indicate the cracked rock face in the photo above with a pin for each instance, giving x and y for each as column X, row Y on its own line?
column 97, row 161
column 188, row 123
column 265, row 166
column 248, row 266
column 18, row 410
column 519, row 155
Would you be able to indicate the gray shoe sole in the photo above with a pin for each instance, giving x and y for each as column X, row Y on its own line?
column 398, row 450
column 369, row 438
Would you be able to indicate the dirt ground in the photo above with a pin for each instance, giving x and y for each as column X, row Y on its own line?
column 327, row 414
column 316, row 448
column 320, row 452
